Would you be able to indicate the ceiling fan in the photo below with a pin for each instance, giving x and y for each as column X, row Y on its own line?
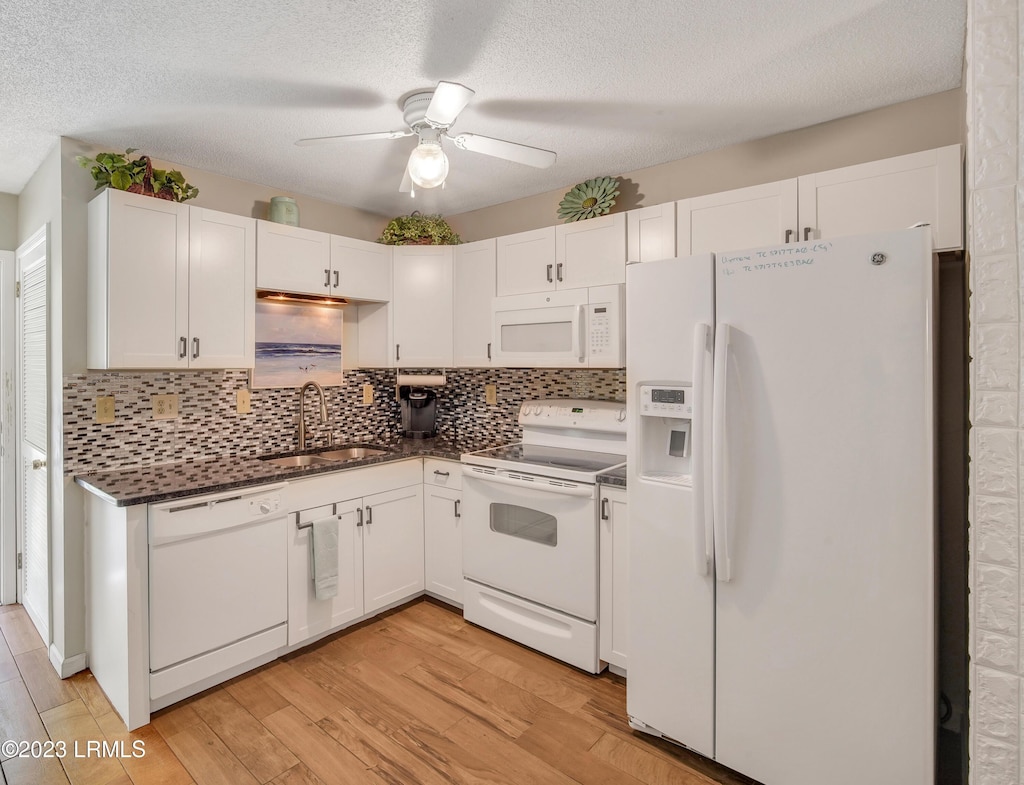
column 429, row 116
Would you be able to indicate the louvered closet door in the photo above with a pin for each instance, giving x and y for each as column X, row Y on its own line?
column 32, row 482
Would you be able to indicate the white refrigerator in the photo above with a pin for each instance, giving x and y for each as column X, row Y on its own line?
column 781, row 485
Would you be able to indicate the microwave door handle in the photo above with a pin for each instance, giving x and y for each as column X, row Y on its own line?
column 581, row 325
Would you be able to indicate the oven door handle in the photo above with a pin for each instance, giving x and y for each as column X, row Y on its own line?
column 540, row 484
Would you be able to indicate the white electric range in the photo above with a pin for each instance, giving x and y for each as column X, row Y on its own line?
column 530, row 527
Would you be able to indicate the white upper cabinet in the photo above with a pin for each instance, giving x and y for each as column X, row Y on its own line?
column 591, row 252
column 221, row 290
column 360, row 270
column 474, row 290
column 526, row 262
column 567, row 256
column 159, row 297
column 743, row 218
column 422, row 306
column 291, row 259
column 651, row 233
column 881, row 196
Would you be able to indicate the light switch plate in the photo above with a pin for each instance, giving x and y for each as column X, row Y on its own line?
column 243, row 402
column 491, row 393
column 165, row 407
column 105, row 409
column 367, row 393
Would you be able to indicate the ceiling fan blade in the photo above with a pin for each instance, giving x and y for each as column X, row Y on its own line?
column 353, row 137
column 406, row 185
column 449, row 99
column 510, row 151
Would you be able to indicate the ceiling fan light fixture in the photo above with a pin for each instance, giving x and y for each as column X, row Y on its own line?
column 428, row 165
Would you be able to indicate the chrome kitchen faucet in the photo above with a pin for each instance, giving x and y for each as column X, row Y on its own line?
column 302, row 410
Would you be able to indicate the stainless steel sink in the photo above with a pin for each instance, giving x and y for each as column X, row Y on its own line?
column 291, row 461
column 326, row 456
column 350, row 453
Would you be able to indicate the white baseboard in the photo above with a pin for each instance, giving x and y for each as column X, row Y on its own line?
column 69, row 666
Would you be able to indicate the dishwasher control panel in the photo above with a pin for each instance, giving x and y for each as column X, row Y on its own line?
column 264, row 505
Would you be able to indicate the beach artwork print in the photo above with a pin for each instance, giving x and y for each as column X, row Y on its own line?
column 296, row 344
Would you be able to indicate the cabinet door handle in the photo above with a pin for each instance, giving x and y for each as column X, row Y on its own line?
column 488, row 351
column 458, row 514
column 558, row 271
column 195, row 348
column 604, row 509
column 443, row 474
column 327, row 278
column 550, row 279
column 182, row 347
column 369, row 514
column 789, row 235
column 335, row 279
column 807, row 233
column 398, row 356
column 359, row 516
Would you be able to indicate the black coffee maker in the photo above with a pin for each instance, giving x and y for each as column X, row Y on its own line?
column 419, row 412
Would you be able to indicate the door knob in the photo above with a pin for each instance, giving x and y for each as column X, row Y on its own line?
column 38, row 464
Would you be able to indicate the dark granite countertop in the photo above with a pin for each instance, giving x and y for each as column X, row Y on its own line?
column 164, row 482
column 615, row 477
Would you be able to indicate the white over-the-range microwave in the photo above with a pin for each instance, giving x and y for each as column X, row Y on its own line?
column 568, row 328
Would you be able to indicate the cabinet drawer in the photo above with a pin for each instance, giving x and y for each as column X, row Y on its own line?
column 447, row 474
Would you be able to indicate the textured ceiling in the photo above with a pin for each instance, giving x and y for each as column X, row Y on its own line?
column 610, row 85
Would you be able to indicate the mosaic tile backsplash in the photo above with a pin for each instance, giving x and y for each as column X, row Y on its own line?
column 209, row 426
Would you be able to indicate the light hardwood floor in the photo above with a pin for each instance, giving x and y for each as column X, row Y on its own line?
column 415, row 696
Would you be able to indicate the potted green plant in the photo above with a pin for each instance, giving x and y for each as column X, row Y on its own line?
column 137, row 175
column 417, row 229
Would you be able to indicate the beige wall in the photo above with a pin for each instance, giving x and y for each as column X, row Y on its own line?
column 241, row 197
column 923, row 124
column 8, row 222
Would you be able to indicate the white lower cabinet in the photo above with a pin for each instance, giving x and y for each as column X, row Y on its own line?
column 442, row 530
column 392, row 546
column 308, row 616
column 614, row 591
column 380, row 560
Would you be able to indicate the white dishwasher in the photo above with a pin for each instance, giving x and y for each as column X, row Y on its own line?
column 218, row 585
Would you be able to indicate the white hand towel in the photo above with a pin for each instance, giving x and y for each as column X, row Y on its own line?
column 324, row 544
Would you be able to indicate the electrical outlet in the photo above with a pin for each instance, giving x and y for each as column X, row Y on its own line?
column 243, row 402
column 165, row 407
column 491, row 393
column 105, row 409
column 367, row 393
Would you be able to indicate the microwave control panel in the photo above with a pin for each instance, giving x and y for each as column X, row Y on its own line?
column 600, row 330
column 664, row 400
column 605, row 345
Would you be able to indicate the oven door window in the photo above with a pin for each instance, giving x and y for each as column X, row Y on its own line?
column 524, row 523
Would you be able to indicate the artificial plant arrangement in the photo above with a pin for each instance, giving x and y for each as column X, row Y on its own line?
column 417, row 229
column 137, row 175
column 589, row 199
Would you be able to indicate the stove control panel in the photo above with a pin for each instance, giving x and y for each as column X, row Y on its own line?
column 574, row 413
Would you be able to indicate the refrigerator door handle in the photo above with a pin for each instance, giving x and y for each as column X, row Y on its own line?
column 703, row 529
column 723, row 565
